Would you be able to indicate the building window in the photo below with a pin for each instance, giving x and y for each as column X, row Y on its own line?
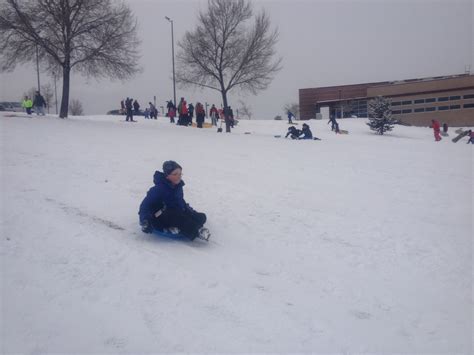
column 443, row 108
column 420, row 101
column 396, row 103
column 454, row 107
column 406, row 111
column 445, row 98
column 468, row 105
column 431, row 99
column 396, row 112
column 429, row 109
column 406, row 102
column 455, row 97
column 470, row 96
column 422, row 109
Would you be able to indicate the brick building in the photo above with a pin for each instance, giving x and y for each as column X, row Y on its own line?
column 448, row 99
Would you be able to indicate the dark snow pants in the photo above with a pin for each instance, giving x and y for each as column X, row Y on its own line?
column 187, row 221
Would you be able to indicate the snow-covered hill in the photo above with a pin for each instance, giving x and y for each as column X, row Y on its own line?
column 356, row 243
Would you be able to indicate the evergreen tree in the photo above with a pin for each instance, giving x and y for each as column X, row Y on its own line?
column 380, row 118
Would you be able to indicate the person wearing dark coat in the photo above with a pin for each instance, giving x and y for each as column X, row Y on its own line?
column 171, row 110
column 334, row 124
column 445, row 127
column 153, row 111
column 164, row 206
column 293, row 132
column 136, row 107
column 306, row 132
column 170, row 104
column 471, row 137
column 183, row 112
column 229, row 118
column 290, row 117
column 190, row 114
column 200, row 114
column 129, row 107
column 39, row 104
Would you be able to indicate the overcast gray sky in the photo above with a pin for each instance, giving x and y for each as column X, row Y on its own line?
column 322, row 43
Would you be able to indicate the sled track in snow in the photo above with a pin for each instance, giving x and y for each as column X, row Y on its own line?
column 76, row 211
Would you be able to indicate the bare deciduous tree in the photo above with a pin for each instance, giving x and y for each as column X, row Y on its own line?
column 30, row 93
column 94, row 37
column 245, row 110
column 294, row 108
column 223, row 52
column 76, row 108
column 48, row 94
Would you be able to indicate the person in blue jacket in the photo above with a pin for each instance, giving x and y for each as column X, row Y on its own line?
column 164, row 206
column 290, row 117
column 306, row 133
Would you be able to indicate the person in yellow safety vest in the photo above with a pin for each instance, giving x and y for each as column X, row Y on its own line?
column 27, row 104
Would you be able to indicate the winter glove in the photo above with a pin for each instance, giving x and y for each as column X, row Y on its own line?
column 146, row 226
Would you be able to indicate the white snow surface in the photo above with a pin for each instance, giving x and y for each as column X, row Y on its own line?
column 358, row 243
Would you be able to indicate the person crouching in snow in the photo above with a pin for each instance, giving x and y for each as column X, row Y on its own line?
column 306, row 133
column 164, row 206
column 293, row 132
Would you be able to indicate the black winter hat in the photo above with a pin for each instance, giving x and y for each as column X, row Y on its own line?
column 169, row 166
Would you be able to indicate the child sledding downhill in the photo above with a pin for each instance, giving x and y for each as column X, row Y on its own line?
column 164, row 209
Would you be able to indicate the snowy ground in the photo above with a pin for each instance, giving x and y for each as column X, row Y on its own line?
column 356, row 243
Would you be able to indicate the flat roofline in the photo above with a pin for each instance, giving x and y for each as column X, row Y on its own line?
column 346, row 99
column 396, row 82
column 338, row 86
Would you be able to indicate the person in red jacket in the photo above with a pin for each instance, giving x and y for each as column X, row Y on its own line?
column 436, row 130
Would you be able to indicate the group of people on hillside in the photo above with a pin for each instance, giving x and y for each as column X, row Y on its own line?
column 185, row 113
column 38, row 103
column 129, row 107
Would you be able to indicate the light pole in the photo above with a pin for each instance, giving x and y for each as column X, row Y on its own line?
column 172, row 54
column 340, row 104
column 55, row 91
column 37, row 68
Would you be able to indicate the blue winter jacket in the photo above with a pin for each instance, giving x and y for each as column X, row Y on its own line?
column 164, row 193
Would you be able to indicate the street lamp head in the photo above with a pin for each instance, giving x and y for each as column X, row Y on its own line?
column 166, row 17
